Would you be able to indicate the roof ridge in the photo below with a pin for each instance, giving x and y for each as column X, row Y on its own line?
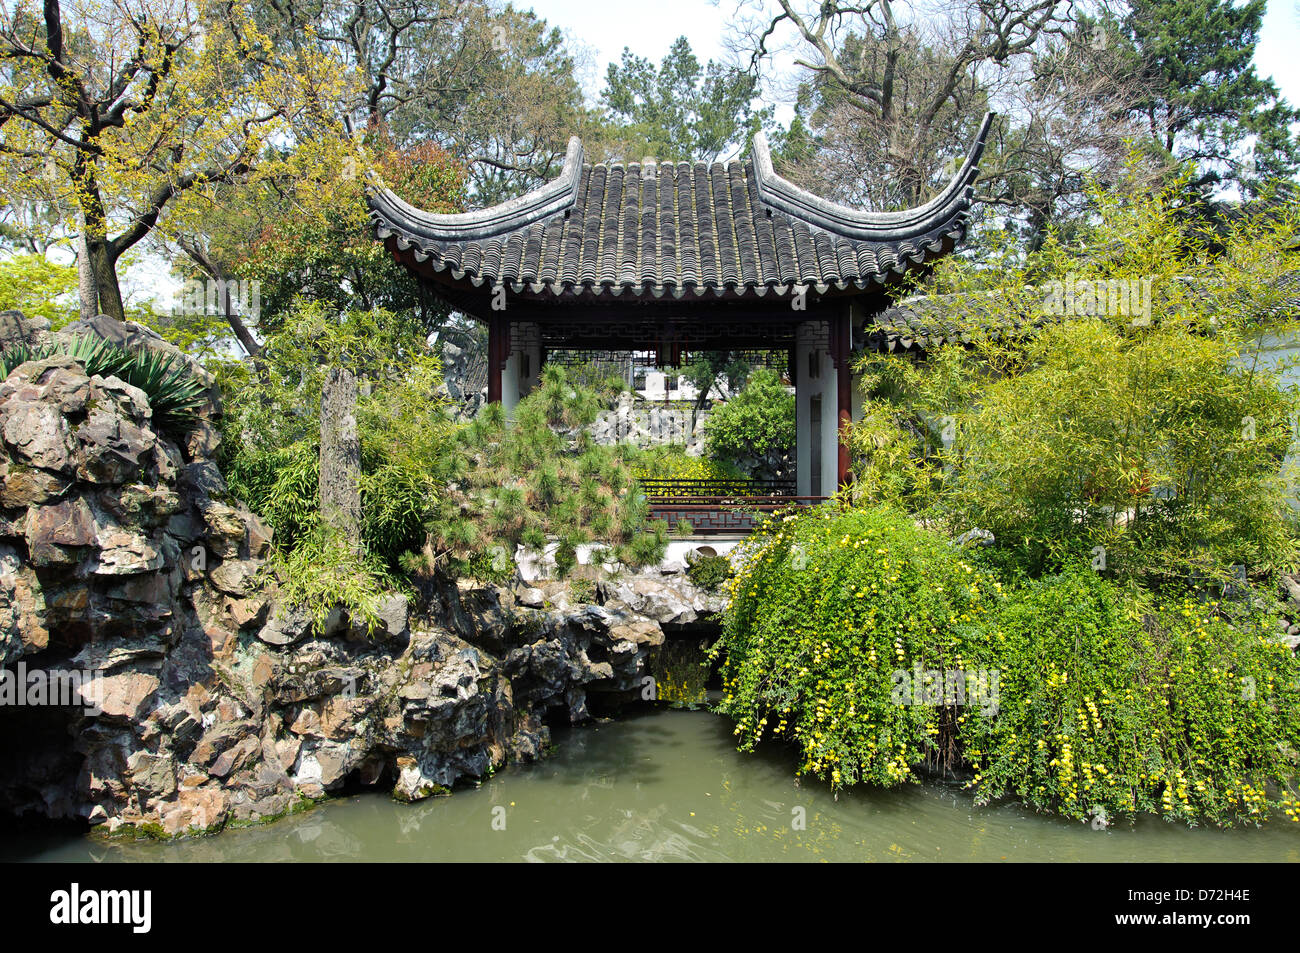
column 697, row 228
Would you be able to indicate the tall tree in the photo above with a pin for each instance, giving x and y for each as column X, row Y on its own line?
column 889, row 96
column 138, row 108
column 315, row 242
column 1206, row 103
column 492, row 85
column 466, row 84
column 681, row 110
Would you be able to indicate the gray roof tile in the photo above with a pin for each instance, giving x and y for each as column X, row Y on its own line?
column 675, row 228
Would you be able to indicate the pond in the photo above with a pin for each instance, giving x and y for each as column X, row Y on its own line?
column 669, row 785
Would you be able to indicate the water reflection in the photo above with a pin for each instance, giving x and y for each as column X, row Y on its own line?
column 670, row 786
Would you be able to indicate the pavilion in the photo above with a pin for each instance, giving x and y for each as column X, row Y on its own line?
column 681, row 257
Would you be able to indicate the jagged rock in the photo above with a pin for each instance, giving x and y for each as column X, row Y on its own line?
column 125, row 553
column 195, row 810
column 202, row 441
column 153, row 775
column 107, row 656
column 126, row 695
column 532, row 597
column 203, row 480
column 394, row 614
column 22, row 608
column 221, row 738
column 236, row 577
column 18, row 330
column 677, row 603
column 133, row 336
column 245, row 613
column 976, row 536
column 286, row 626
column 39, row 434
column 25, row 486
column 640, row 632
column 227, row 530
column 1289, row 588
column 113, row 449
column 53, row 532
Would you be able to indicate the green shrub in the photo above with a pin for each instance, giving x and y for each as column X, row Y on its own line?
column 670, row 461
column 709, row 572
column 280, row 484
column 324, row 571
column 848, row 632
column 1141, row 423
column 1113, row 704
column 825, row 607
column 758, row 421
column 582, row 591
column 272, row 450
column 538, row 476
column 1159, row 448
column 39, row 288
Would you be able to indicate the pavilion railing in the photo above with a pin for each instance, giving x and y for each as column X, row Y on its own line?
column 678, row 489
column 721, row 506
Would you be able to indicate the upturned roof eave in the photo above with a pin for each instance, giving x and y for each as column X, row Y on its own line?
column 390, row 213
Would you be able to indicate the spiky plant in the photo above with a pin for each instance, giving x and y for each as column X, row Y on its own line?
column 172, row 391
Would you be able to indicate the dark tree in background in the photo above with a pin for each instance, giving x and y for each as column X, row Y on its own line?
column 1204, row 100
column 680, row 110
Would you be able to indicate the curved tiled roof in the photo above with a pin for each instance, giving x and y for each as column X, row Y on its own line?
column 675, row 229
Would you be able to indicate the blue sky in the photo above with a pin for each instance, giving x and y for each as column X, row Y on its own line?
column 1278, row 53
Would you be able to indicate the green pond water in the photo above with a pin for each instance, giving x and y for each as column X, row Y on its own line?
column 668, row 785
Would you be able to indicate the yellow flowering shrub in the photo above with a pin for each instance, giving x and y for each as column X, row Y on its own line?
column 879, row 649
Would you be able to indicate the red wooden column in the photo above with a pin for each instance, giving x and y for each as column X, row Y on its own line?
column 841, row 347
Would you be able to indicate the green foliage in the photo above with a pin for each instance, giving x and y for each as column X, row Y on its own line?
column 272, row 452
column 846, row 628
column 324, row 570
column 825, row 607
column 709, row 572
column 1159, row 448
column 760, row 420
column 670, row 461
column 539, row 476
column 175, row 396
column 603, row 377
column 583, row 591
column 407, row 441
column 317, row 244
column 39, row 288
column 680, row 111
column 895, row 445
column 1115, row 703
column 280, row 484
column 726, row 370
column 1205, row 99
column 1149, row 430
column 207, row 338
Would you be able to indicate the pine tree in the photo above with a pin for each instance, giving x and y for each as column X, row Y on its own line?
column 1207, row 103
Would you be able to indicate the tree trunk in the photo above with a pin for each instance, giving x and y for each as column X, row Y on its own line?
column 340, row 455
column 213, row 270
column 103, row 270
column 87, row 296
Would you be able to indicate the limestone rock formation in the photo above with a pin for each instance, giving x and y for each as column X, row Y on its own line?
column 198, row 699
